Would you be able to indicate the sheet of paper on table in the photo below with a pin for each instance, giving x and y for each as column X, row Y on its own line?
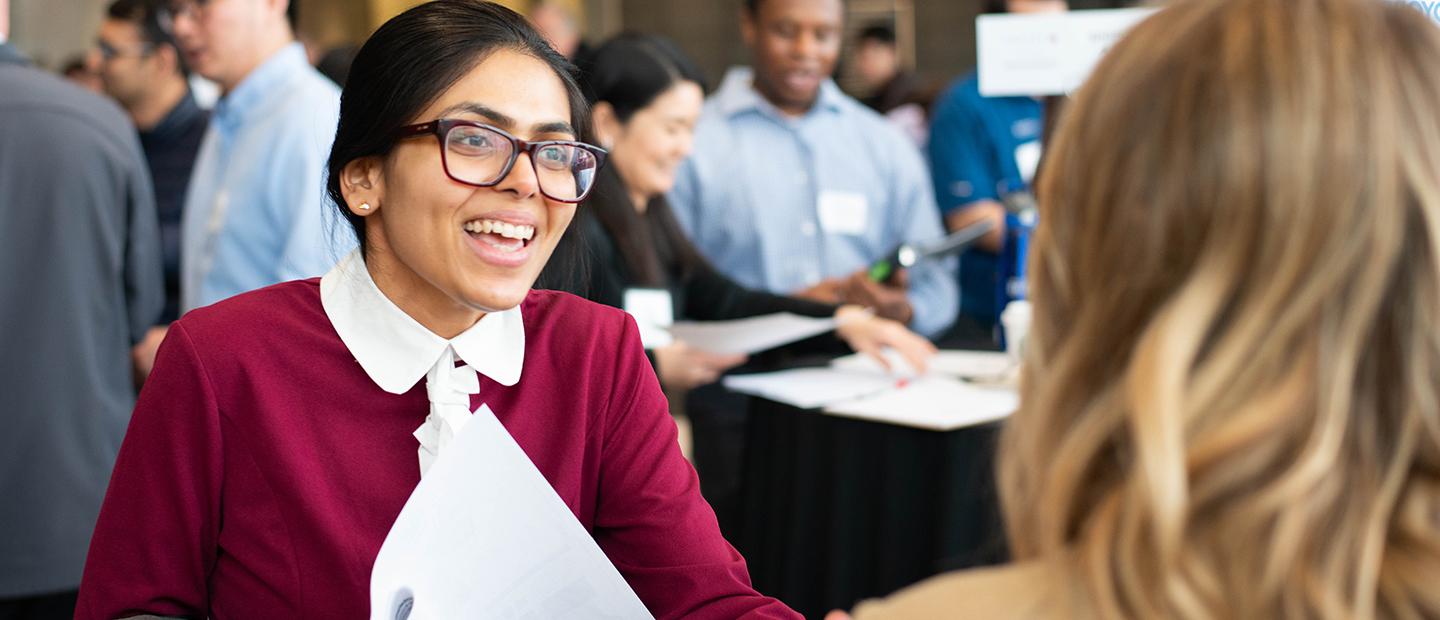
column 987, row 365
column 932, row 403
column 808, row 388
column 485, row 536
column 750, row 335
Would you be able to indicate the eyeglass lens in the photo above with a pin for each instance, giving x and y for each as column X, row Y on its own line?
column 479, row 156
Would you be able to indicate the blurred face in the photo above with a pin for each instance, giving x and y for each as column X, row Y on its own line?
column 428, row 245
column 558, row 27
column 1037, row 6
column 125, row 64
column 224, row 40
column 795, row 44
column 876, row 63
column 650, row 146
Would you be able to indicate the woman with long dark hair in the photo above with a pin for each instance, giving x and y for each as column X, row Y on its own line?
column 283, row 430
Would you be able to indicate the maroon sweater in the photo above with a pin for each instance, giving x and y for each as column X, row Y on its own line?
column 263, row 468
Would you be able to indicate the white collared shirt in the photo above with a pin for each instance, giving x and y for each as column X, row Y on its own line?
column 396, row 351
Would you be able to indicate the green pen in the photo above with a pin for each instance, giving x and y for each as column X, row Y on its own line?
column 907, row 255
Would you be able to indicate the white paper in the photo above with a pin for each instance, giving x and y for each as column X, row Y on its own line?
column 485, row 536
column 1049, row 53
column 750, row 335
column 981, row 365
column 932, row 403
column 808, row 388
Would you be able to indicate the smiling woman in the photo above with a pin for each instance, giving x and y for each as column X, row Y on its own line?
column 283, row 430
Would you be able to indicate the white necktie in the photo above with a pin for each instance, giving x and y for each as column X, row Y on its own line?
column 449, row 388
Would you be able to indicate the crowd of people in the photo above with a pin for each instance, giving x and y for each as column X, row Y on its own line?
column 241, row 334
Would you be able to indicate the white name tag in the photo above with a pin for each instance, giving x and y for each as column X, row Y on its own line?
column 843, row 213
column 654, row 311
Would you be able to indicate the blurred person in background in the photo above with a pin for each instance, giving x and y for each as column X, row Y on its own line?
column 1228, row 400
column 80, row 283
column 647, row 96
column 559, row 24
column 779, row 150
column 254, row 213
column 889, row 88
column 140, row 67
column 795, row 188
column 79, row 71
column 982, row 149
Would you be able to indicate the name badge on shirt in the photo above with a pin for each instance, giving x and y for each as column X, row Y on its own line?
column 1027, row 159
column 843, row 213
column 653, row 311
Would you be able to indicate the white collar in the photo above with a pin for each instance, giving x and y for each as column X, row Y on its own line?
column 396, row 350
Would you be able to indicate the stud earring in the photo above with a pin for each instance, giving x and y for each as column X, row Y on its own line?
column 364, row 206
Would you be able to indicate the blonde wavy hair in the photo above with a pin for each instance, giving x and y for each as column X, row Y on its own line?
column 1231, row 393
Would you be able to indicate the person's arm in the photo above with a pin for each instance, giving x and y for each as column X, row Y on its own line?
column 650, row 519
column 933, row 288
column 155, row 542
column 963, row 170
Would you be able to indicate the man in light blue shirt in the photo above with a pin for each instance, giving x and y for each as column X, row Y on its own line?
column 796, row 188
column 255, row 212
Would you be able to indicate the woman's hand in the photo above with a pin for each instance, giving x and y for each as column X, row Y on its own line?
column 682, row 367
column 869, row 334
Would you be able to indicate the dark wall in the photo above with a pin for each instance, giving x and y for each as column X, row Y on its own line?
column 709, row 30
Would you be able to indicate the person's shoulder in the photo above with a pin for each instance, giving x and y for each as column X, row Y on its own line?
column 307, row 106
column 28, row 93
column 574, row 314
column 713, row 129
column 871, row 124
column 963, row 92
column 263, row 313
column 1027, row 590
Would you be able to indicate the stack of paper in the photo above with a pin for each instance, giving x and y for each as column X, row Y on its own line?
column 933, row 403
column 857, row 387
column 808, row 388
column 982, row 365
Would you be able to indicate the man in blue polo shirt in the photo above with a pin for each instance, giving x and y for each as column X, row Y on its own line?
column 981, row 150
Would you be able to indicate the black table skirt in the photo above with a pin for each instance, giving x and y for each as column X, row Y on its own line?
column 836, row 510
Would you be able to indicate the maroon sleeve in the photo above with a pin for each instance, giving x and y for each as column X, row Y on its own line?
column 651, row 521
column 155, row 542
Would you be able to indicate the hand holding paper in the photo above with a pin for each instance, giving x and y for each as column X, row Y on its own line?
column 873, row 336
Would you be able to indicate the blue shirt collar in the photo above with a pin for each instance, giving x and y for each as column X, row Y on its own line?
column 737, row 94
column 232, row 110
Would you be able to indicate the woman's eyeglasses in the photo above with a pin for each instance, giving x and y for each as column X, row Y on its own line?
column 481, row 155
